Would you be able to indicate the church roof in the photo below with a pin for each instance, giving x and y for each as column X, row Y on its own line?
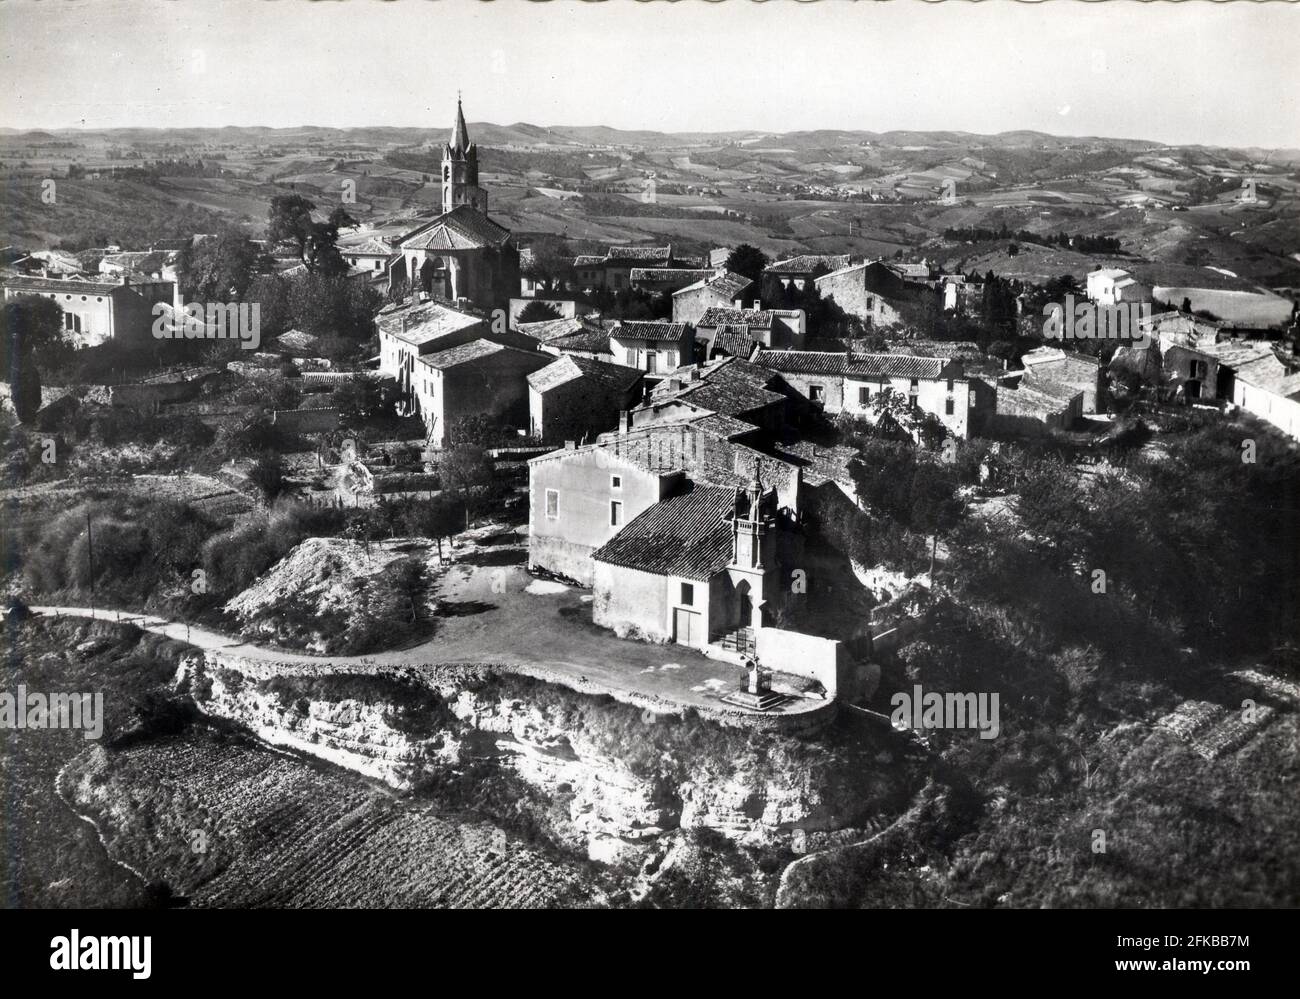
column 462, row 228
column 685, row 535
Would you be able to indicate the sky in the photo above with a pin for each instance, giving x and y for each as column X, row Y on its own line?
column 1196, row 72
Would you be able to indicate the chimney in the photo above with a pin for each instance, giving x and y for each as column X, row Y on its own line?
column 570, row 446
column 739, row 303
column 758, row 305
column 625, row 421
column 415, row 296
column 695, row 373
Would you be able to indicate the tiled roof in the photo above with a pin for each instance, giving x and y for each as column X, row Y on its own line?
column 473, row 351
column 726, row 283
column 587, row 260
column 722, row 316
column 549, row 329
column 663, row 275
column 1269, row 373
column 807, row 362
column 730, row 386
column 1044, row 354
column 648, row 331
column 645, row 254
column 725, row 426
column 809, row 262
column 735, row 340
column 424, row 322
column 462, row 228
column 370, row 247
column 62, row 284
column 591, row 341
column 685, row 535
column 569, row 368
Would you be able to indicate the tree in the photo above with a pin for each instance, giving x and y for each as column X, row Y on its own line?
column 268, row 475
column 25, row 388
column 289, row 221
column 468, row 472
column 219, row 269
column 441, row 518
column 33, row 326
column 549, row 263
column 340, row 219
column 747, row 261
column 538, row 312
column 360, row 399
column 332, row 306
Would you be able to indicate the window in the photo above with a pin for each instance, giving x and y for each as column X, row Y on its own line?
column 815, row 393
column 615, row 513
column 688, row 593
column 616, row 482
column 378, row 264
column 864, row 395
column 950, row 381
column 947, row 407
column 552, row 504
column 651, row 361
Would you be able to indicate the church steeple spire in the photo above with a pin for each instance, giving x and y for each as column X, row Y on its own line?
column 459, row 133
column 460, row 168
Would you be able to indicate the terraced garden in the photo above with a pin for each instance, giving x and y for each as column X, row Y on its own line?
column 224, row 822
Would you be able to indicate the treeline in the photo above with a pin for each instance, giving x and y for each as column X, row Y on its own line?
column 1080, row 243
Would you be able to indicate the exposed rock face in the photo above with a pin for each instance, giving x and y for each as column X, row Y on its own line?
column 628, row 779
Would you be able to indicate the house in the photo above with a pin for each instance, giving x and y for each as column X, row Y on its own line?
column 652, row 347
column 1031, row 410
column 479, row 378
column 572, row 398
column 462, row 253
column 370, row 252
column 719, row 289
column 729, row 386
column 797, row 273
column 870, row 291
column 693, row 568
column 844, row 382
column 584, row 342
column 97, row 311
column 658, row 280
column 581, row 496
column 614, row 269
column 1267, row 389
column 1113, row 285
column 1083, row 371
column 960, row 295
column 775, row 328
column 411, row 329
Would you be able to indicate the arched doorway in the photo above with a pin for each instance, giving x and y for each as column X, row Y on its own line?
column 744, row 605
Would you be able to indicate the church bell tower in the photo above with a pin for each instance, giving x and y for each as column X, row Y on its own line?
column 460, row 169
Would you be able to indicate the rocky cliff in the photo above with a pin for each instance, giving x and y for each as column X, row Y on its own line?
column 616, row 781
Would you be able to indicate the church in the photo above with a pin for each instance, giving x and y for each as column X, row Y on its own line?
column 462, row 255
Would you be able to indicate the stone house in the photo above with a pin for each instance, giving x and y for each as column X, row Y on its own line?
column 1083, row 371
column 1031, row 410
column 721, row 289
column 576, row 397
column 614, row 269
column 652, row 347
column 797, row 273
column 479, row 378
column 777, row 328
column 95, row 312
column 843, row 382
